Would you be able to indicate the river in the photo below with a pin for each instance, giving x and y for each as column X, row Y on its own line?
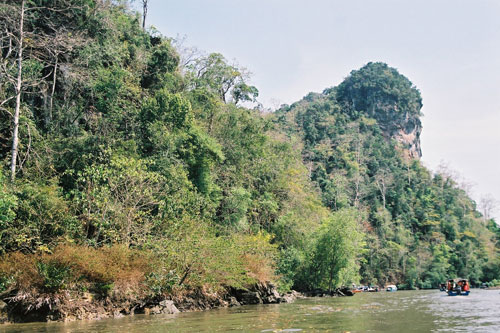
column 401, row 311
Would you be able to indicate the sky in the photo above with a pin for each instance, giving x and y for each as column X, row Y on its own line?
column 450, row 49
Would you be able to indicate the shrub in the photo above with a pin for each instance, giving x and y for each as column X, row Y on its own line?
column 258, row 255
column 70, row 266
column 54, row 274
column 35, row 217
column 162, row 282
column 20, row 271
column 5, row 282
column 8, row 205
column 192, row 260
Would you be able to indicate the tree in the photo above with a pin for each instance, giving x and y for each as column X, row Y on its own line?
column 383, row 179
column 13, row 41
column 25, row 49
column 119, row 201
column 214, row 73
column 244, row 93
column 59, row 45
column 488, row 205
column 337, row 249
column 162, row 67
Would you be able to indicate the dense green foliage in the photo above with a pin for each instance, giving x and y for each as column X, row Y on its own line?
column 121, row 146
column 376, row 91
column 133, row 168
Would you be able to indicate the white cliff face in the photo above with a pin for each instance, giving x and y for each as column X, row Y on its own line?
column 404, row 130
column 410, row 142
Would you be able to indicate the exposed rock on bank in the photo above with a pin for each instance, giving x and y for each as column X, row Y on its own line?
column 70, row 306
column 263, row 294
column 344, row 291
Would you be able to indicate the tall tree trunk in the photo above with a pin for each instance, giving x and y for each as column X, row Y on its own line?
column 54, row 80
column 144, row 13
column 330, row 281
column 15, row 134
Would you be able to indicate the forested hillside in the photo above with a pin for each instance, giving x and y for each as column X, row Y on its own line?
column 129, row 172
column 361, row 143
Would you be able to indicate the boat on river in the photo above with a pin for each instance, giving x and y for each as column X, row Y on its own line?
column 361, row 289
column 458, row 287
column 391, row 287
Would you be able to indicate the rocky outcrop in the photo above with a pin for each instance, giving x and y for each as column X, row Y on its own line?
column 343, row 291
column 4, row 316
column 404, row 128
column 163, row 307
column 263, row 293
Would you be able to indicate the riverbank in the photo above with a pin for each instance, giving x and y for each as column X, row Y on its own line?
column 77, row 282
column 71, row 305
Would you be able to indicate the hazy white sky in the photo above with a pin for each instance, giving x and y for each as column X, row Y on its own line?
column 450, row 49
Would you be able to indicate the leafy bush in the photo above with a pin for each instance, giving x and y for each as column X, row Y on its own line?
column 54, row 275
column 258, row 255
column 5, row 282
column 493, row 283
column 161, row 283
column 42, row 217
column 289, row 265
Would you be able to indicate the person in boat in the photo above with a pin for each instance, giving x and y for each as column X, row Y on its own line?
column 465, row 286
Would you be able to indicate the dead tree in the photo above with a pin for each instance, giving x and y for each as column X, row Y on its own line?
column 12, row 47
column 17, row 44
column 144, row 13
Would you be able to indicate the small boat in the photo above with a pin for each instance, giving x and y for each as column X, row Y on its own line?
column 391, row 287
column 356, row 289
column 458, row 287
column 458, row 293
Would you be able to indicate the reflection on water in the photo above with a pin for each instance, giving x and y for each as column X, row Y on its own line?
column 402, row 311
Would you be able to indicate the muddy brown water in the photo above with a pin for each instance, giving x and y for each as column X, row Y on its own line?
column 401, row 311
